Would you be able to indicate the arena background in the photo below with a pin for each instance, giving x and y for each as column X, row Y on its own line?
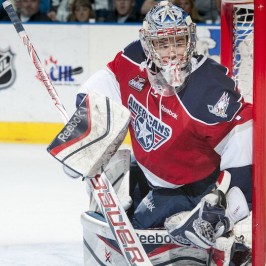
column 27, row 113
column 40, row 204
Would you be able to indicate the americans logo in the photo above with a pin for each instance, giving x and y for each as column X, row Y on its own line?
column 150, row 132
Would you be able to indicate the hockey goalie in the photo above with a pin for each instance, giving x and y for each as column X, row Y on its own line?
column 186, row 184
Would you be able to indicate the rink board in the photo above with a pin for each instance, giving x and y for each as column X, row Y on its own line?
column 27, row 113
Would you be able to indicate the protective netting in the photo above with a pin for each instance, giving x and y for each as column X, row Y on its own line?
column 243, row 49
column 243, row 43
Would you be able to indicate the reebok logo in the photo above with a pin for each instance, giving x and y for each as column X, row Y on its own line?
column 72, row 124
column 168, row 111
column 154, row 239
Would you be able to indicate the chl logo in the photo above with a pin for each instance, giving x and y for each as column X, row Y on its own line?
column 7, row 71
column 137, row 83
column 61, row 74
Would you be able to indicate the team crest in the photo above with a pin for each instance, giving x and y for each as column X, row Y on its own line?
column 137, row 83
column 150, row 132
column 219, row 109
column 7, row 71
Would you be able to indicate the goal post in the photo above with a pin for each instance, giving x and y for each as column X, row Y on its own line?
column 243, row 51
column 259, row 138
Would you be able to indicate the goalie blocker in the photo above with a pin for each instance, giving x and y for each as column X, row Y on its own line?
column 92, row 135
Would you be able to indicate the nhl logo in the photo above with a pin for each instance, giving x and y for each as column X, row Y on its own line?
column 7, row 72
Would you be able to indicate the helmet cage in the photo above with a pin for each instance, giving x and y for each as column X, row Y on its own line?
column 147, row 37
column 166, row 20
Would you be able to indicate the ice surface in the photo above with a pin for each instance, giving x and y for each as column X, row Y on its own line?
column 53, row 254
column 40, row 209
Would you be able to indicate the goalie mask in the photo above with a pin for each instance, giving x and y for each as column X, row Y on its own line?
column 168, row 38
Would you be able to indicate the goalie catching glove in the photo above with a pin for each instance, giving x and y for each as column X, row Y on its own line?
column 92, row 135
column 214, row 216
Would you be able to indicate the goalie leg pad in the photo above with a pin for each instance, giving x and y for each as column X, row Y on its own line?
column 223, row 250
column 92, row 135
column 237, row 207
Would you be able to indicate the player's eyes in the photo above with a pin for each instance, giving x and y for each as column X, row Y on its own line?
column 165, row 46
column 169, row 43
column 181, row 43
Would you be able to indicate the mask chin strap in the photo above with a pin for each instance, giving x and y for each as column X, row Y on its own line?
column 185, row 72
column 191, row 67
column 159, row 84
column 163, row 81
column 173, row 75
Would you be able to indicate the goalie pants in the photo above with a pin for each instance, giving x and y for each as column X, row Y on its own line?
column 161, row 203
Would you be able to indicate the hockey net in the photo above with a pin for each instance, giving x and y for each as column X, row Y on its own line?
column 243, row 42
column 243, row 49
column 242, row 39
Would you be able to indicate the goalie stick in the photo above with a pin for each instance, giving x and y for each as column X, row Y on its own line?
column 101, row 187
column 35, row 59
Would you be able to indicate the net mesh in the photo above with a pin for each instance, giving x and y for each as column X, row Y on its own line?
column 243, row 43
column 243, row 49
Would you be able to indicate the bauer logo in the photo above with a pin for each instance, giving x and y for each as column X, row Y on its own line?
column 7, row 71
column 116, row 218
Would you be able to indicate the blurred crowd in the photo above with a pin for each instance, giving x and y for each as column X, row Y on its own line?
column 91, row 11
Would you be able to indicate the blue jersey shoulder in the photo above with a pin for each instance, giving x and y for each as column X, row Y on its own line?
column 134, row 52
column 209, row 94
